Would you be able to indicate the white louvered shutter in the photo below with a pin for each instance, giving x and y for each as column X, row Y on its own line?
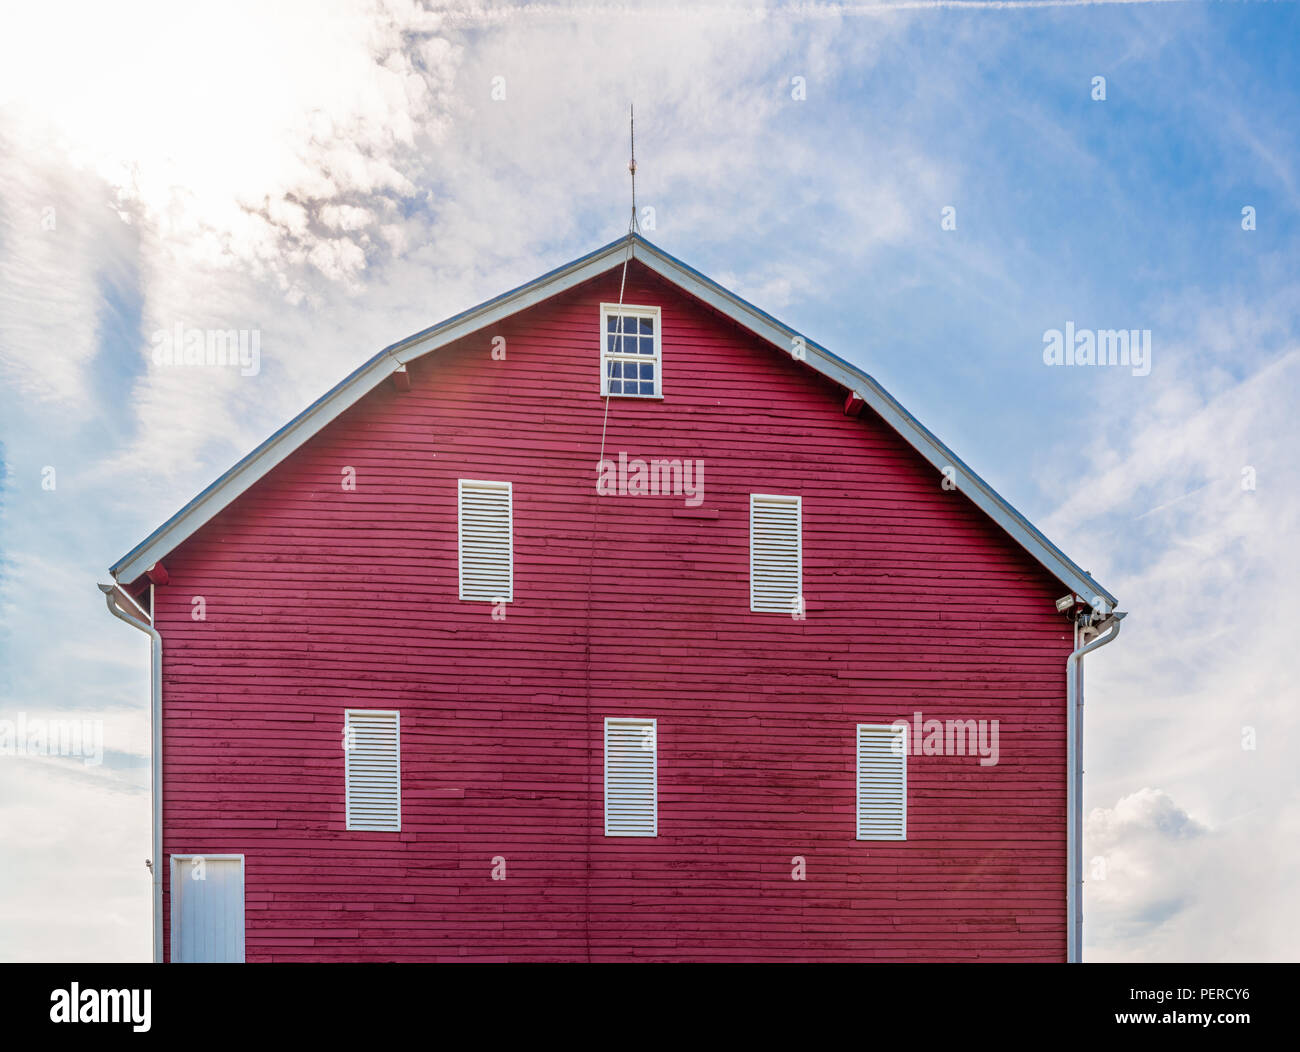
column 372, row 757
column 882, row 782
column 486, row 541
column 631, row 778
column 775, row 553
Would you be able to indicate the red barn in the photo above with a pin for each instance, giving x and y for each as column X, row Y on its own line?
column 612, row 619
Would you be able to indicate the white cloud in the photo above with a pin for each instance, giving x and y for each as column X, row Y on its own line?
column 74, row 886
column 1161, row 886
column 1207, row 566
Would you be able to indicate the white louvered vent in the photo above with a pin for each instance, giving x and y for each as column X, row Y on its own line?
column 486, row 541
column 882, row 782
column 372, row 757
column 775, row 553
column 631, row 778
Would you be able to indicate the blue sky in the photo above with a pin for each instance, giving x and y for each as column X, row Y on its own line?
column 342, row 179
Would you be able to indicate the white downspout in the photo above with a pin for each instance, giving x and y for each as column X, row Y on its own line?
column 1074, row 786
column 117, row 600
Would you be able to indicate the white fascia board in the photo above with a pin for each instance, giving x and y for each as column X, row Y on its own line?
column 502, row 307
column 280, row 445
column 284, row 442
column 253, row 467
column 911, row 429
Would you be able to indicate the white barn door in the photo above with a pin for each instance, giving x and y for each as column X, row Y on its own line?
column 207, row 908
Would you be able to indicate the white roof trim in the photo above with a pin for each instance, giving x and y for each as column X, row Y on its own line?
column 289, row 438
column 332, row 404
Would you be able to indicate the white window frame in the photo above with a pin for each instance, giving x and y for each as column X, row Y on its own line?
column 509, row 487
column 640, row 721
column 903, row 732
column 347, row 769
column 786, row 498
column 631, row 311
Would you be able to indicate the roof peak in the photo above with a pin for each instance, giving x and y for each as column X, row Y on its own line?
column 349, row 391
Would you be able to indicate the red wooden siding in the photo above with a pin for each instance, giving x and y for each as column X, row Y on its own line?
column 319, row 599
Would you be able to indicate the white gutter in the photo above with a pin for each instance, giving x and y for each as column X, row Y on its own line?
column 1074, row 787
column 121, row 606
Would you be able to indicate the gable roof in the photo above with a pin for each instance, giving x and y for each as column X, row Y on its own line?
column 352, row 389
